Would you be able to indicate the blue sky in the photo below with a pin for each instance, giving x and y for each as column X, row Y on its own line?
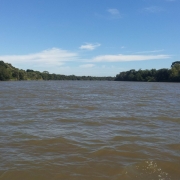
column 97, row 38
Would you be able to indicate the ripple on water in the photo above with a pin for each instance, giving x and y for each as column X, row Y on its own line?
column 89, row 130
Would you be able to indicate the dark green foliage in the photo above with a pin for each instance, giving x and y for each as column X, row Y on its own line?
column 5, row 73
column 163, row 75
column 2, row 64
column 153, row 75
column 175, row 73
column 175, row 63
column 8, row 72
column 29, row 70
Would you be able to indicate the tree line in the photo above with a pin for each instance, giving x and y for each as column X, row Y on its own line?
column 10, row 73
column 153, row 75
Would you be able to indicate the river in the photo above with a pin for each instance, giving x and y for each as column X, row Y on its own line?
column 89, row 130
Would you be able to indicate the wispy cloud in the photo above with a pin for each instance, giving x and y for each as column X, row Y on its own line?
column 57, row 60
column 170, row 0
column 114, row 13
column 54, row 56
column 87, row 65
column 89, row 46
column 125, row 58
column 153, row 51
column 122, row 47
column 153, row 9
column 111, row 14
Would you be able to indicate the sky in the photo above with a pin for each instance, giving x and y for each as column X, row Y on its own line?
column 89, row 37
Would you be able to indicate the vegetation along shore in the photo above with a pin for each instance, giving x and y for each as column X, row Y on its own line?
column 10, row 73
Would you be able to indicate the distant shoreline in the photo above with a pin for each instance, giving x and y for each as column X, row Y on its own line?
column 10, row 73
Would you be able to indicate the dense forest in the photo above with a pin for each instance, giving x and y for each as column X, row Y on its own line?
column 153, row 75
column 10, row 73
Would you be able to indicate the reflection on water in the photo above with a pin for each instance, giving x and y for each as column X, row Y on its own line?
column 86, row 130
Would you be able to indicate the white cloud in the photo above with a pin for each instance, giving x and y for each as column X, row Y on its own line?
column 111, row 14
column 56, row 60
column 124, row 58
column 170, row 0
column 87, row 66
column 154, row 51
column 114, row 13
column 153, row 9
column 52, row 56
column 89, row 46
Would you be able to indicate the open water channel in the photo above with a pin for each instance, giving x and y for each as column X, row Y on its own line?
column 89, row 130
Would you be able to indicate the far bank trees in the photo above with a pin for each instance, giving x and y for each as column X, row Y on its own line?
column 153, row 75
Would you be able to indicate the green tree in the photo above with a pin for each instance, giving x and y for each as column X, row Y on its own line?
column 4, row 74
column 175, row 72
column 175, row 63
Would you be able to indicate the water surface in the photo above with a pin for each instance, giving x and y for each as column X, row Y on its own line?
column 89, row 130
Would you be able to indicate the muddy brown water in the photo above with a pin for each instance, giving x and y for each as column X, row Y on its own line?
column 89, row 130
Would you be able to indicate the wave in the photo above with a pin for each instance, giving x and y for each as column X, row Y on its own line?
column 144, row 170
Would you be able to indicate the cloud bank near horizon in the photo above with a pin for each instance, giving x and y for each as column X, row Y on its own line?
column 54, row 58
column 125, row 58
